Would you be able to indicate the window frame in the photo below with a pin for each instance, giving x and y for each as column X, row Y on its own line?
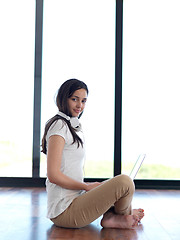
column 37, row 88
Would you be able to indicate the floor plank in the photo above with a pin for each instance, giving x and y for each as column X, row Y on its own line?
column 23, row 217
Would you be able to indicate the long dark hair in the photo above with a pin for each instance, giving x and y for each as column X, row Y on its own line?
column 65, row 91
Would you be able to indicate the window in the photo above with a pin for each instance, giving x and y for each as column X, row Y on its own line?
column 17, row 19
column 151, row 60
column 79, row 42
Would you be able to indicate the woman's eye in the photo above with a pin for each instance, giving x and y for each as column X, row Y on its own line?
column 74, row 99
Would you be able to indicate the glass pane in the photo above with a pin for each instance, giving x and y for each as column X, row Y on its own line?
column 151, row 60
column 17, row 24
column 79, row 42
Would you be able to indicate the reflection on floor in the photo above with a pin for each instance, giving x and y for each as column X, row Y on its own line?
column 23, row 217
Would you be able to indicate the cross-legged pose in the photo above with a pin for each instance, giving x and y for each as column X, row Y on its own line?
column 73, row 203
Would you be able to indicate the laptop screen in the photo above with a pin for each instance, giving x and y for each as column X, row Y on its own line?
column 137, row 166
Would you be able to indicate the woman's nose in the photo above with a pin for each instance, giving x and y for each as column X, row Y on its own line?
column 79, row 104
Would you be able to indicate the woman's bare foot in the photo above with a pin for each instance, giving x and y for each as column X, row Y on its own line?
column 112, row 220
column 138, row 212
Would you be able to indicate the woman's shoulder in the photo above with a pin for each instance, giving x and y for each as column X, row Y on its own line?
column 59, row 127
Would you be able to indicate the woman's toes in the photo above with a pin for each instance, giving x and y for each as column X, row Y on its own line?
column 139, row 212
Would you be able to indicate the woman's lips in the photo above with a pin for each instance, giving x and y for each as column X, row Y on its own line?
column 77, row 111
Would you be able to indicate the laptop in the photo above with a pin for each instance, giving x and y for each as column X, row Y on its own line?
column 137, row 166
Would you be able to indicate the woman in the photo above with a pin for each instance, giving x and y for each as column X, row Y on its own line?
column 72, row 203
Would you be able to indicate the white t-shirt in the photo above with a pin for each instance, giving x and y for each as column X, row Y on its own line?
column 58, row 198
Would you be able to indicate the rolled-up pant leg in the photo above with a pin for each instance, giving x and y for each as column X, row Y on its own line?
column 117, row 192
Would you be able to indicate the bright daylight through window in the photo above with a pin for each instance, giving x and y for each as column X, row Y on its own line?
column 78, row 43
column 17, row 21
column 151, row 60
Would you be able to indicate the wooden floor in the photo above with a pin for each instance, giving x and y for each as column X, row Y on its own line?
column 23, row 217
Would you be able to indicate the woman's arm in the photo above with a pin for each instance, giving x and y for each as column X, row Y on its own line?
column 54, row 156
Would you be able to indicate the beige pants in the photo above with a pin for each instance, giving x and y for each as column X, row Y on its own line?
column 117, row 192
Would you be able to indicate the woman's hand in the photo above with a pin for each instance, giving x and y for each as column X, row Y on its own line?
column 90, row 186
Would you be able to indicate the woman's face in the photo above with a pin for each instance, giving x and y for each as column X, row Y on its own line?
column 77, row 102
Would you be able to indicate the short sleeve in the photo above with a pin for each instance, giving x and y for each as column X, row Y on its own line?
column 57, row 128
